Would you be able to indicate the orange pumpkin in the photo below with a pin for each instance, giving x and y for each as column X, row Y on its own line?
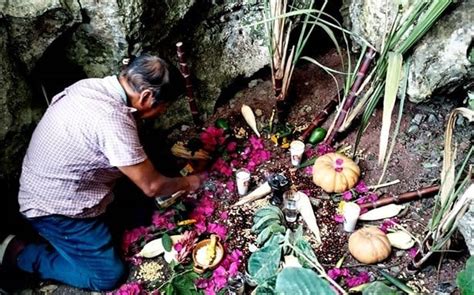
column 335, row 173
column 369, row 245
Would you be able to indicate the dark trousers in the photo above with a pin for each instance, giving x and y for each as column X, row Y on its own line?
column 80, row 253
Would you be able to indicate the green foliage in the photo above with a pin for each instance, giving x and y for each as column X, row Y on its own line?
column 267, row 221
column 166, row 241
column 263, row 264
column 378, row 288
column 465, row 279
column 396, row 282
column 298, row 280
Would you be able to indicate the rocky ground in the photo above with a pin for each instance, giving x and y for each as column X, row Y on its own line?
column 416, row 162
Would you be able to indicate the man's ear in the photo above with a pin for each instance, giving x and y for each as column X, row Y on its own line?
column 146, row 98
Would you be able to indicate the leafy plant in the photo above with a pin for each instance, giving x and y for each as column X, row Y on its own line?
column 181, row 281
column 267, row 221
column 465, row 279
column 264, row 264
column 301, row 281
column 377, row 288
column 455, row 194
column 405, row 31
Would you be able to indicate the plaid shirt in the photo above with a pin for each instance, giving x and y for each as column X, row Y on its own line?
column 71, row 164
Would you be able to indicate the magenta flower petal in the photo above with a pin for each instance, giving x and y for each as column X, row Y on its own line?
column 339, row 218
column 347, row 195
column 361, row 187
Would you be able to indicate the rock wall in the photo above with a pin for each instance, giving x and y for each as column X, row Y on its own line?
column 440, row 61
column 48, row 44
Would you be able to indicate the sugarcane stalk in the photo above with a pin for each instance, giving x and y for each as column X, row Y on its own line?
column 369, row 56
column 319, row 119
column 184, row 69
column 402, row 198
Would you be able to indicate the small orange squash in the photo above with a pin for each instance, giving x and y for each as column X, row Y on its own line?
column 369, row 245
column 335, row 173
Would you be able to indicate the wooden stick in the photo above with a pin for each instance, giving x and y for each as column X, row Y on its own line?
column 319, row 119
column 405, row 197
column 364, row 67
column 184, row 69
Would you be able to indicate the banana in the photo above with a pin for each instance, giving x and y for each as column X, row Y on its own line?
column 211, row 250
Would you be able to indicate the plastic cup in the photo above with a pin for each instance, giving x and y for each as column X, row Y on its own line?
column 351, row 214
column 296, row 152
column 242, row 177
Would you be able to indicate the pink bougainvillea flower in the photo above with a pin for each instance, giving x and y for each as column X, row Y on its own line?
column 187, row 243
column 361, row 187
column 134, row 288
column 308, row 170
column 339, row 218
column 388, row 224
column 413, row 252
column 211, row 137
column 335, row 273
column 130, row 237
column 164, row 220
column 224, row 215
column 347, row 195
column 354, row 281
column 256, row 143
column 217, row 229
column 323, row 148
column 231, row 146
column 372, row 197
column 228, row 267
column 309, row 153
column 222, row 167
column 230, row 186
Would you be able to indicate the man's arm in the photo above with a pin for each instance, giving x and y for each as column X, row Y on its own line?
column 153, row 184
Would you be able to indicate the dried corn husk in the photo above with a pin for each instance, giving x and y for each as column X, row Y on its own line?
column 155, row 247
column 256, row 194
column 179, row 150
column 306, row 210
column 249, row 118
column 401, row 240
column 382, row 212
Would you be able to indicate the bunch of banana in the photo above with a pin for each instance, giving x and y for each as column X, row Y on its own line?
column 267, row 221
column 211, row 250
column 179, row 150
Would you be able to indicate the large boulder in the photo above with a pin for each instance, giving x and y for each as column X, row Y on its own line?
column 439, row 60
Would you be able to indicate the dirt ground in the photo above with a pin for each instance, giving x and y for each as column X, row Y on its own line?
column 416, row 163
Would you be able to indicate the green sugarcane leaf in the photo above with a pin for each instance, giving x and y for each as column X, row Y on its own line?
column 166, row 241
column 397, row 283
column 465, row 279
column 394, row 73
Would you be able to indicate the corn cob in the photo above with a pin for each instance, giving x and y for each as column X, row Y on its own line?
column 211, row 250
column 186, row 222
column 179, row 150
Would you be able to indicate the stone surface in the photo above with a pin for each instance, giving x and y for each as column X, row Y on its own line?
column 439, row 60
column 49, row 44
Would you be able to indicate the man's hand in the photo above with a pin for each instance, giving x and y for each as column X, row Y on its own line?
column 152, row 183
column 195, row 181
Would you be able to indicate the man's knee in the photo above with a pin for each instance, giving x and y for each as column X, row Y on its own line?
column 108, row 278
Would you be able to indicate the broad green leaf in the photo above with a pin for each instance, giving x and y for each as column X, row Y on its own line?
column 169, row 289
column 399, row 284
column 465, row 279
column 167, row 243
column 378, row 288
column 263, row 264
column 298, row 280
column 394, row 73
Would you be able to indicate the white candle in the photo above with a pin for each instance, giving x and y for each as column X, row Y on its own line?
column 296, row 152
column 242, row 177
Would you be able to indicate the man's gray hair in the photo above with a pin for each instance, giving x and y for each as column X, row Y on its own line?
column 147, row 72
